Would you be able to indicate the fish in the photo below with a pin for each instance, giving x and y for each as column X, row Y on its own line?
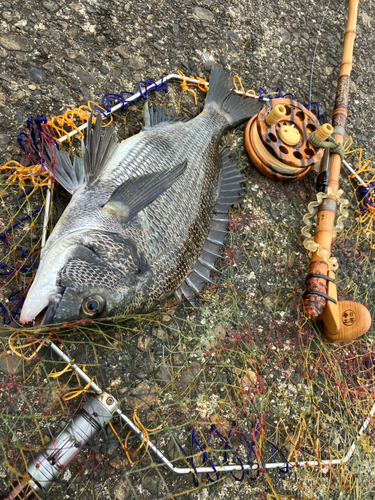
column 147, row 216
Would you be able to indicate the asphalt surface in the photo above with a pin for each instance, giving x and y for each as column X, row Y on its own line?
column 59, row 54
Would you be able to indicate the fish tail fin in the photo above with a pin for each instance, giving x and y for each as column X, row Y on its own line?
column 221, row 95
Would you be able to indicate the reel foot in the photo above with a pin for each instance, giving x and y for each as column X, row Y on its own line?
column 346, row 320
column 354, row 320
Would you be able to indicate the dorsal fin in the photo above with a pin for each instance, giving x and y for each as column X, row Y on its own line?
column 97, row 149
column 158, row 115
column 229, row 187
column 58, row 164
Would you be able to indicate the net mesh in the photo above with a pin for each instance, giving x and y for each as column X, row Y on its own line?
column 243, row 379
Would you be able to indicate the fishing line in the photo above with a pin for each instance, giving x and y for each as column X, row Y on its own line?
column 316, row 48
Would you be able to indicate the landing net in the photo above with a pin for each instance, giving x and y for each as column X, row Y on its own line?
column 241, row 380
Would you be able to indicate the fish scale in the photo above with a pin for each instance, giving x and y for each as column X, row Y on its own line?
column 134, row 230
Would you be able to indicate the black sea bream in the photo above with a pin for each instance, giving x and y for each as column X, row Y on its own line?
column 147, row 216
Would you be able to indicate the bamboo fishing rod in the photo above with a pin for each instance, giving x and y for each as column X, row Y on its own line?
column 320, row 298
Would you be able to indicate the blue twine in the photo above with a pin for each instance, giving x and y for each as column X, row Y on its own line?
column 121, row 98
column 12, row 314
column 41, row 170
column 2, row 235
column 280, row 94
column 38, row 122
column 250, row 461
column 263, row 93
column 251, row 455
column 23, row 195
column 29, row 123
column 113, row 97
column 274, row 447
column 368, row 194
column 308, row 106
column 205, row 458
column 227, row 447
column 32, row 139
column 4, row 312
column 20, row 140
column 191, row 461
column 23, row 269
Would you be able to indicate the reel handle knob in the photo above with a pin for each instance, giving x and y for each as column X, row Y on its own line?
column 323, row 132
column 275, row 115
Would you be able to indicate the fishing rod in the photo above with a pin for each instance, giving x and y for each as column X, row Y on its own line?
column 343, row 320
column 284, row 141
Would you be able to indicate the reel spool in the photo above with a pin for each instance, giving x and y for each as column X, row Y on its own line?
column 277, row 140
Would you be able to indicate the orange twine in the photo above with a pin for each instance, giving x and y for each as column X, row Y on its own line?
column 31, row 342
column 22, row 174
column 250, row 91
column 201, row 85
column 145, row 438
column 57, row 124
column 68, row 119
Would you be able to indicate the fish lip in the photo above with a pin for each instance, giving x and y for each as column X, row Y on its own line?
column 27, row 317
column 50, row 310
column 38, row 316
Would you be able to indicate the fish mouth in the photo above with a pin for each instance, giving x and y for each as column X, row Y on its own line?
column 44, row 315
column 39, row 317
column 50, row 310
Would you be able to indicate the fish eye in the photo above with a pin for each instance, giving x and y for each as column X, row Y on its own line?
column 93, row 305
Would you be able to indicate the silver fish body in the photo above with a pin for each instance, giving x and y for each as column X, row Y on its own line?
column 133, row 254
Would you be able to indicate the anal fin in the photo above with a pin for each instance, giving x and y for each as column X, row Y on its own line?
column 230, row 180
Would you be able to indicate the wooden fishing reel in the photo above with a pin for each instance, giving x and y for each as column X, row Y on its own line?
column 277, row 140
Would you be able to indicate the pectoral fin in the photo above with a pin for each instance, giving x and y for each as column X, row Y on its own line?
column 136, row 194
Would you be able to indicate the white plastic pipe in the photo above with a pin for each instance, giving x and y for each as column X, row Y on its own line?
column 46, row 211
column 134, row 97
column 353, row 172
